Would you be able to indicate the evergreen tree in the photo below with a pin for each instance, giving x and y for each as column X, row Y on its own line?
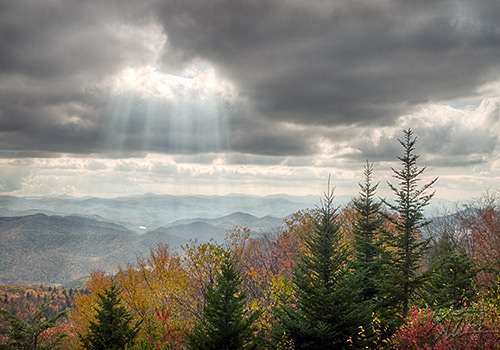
column 224, row 323
column 327, row 312
column 112, row 328
column 409, row 205
column 368, row 227
column 451, row 276
column 370, row 258
column 25, row 334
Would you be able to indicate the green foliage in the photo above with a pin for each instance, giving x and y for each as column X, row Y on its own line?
column 368, row 229
column 451, row 277
column 407, row 247
column 326, row 312
column 369, row 222
column 224, row 323
column 26, row 334
column 112, row 328
column 323, row 294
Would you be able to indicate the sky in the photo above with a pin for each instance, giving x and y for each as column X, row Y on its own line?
column 124, row 97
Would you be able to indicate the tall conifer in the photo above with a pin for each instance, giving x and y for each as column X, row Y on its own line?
column 367, row 231
column 406, row 243
column 326, row 313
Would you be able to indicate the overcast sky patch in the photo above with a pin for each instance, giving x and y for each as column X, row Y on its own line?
column 206, row 93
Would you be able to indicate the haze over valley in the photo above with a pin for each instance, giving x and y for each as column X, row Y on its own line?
column 56, row 240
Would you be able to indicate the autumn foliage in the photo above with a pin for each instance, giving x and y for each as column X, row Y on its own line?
column 341, row 276
column 164, row 291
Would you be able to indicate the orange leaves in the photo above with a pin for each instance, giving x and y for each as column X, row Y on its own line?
column 148, row 289
column 83, row 311
column 165, row 291
column 159, row 282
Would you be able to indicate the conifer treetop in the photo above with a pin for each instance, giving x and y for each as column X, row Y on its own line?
column 410, row 199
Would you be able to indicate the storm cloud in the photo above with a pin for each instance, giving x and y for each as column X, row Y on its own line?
column 340, row 62
column 270, row 82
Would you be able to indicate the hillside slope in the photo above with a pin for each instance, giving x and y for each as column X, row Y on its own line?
column 53, row 249
column 56, row 249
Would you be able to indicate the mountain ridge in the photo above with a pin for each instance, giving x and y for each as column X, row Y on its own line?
column 55, row 249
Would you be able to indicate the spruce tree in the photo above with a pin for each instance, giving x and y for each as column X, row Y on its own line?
column 370, row 258
column 112, row 328
column 407, row 246
column 224, row 324
column 367, row 229
column 326, row 313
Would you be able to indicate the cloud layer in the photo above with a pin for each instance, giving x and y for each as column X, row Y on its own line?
column 295, row 85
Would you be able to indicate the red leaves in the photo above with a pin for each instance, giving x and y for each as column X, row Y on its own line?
column 467, row 329
column 420, row 331
column 172, row 335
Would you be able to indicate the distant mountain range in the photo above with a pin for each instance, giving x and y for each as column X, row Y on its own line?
column 59, row 239
column 152, row 211
column 57, row 249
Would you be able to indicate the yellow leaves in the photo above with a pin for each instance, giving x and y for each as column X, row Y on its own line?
column 84, row 311
column 202, row 260
column 285, row 343
column 378, row 330
column 253, row 273
column 281, row 289
column 133, row 289
column 158, row 282
column 254, row 305
column 236, row 240
column 165, row 290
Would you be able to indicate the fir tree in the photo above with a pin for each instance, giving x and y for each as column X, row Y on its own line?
column 370, row 257
column 224, row 323
column 327, row 313
column 368, row 227
column 409, row 206
column 112, row 328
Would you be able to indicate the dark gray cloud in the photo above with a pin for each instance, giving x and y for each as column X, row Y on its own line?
column 300, row 69
column 341, row 62
column 54, row 58
column 65, row 39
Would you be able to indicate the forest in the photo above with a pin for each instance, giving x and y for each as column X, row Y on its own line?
column 375, row 274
